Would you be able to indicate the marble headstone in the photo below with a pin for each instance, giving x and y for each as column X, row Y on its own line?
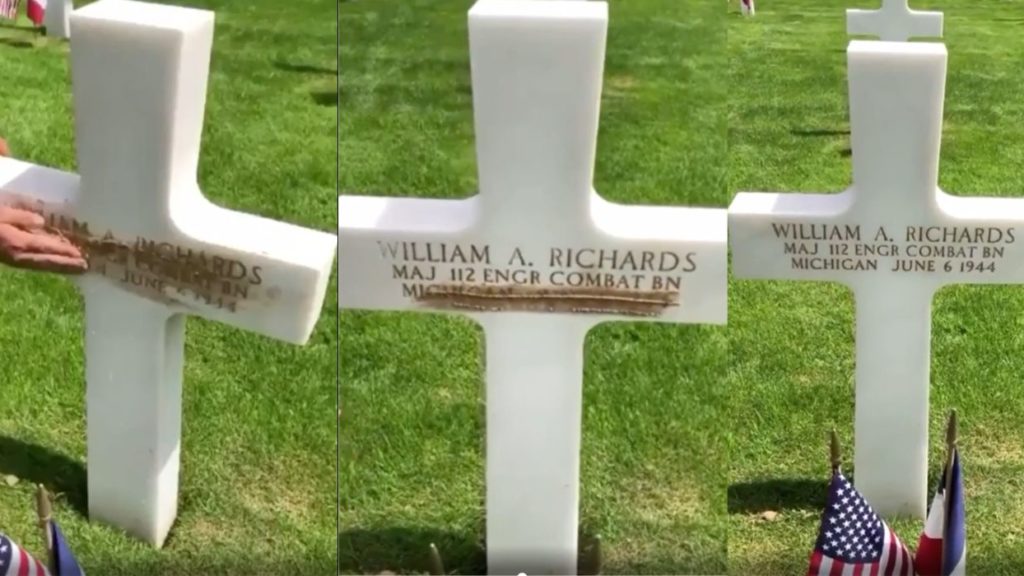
column 158, row 250
column 894, row 238
column 537, row 258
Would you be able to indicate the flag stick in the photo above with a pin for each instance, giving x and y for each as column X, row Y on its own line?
column 834, row 453
column 951, row 434
column 44, row 510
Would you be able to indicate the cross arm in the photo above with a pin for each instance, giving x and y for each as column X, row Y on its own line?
column 788, row 236
column 997, row 221
column 701, row 232
column 48, row 189
column 894, row 24
column 257, row 274
column 383, row 242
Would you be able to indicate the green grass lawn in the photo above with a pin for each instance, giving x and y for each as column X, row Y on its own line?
column 412, row 431
column 259, row 429
column 791, row 344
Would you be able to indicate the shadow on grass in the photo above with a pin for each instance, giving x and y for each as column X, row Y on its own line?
column 23, row 27
column 776, row 495
column 819, row 132
column 325, row 97
column 15, row 43
column 304, row 68
column 407, row 550
column 38, row 465
column 216, row 562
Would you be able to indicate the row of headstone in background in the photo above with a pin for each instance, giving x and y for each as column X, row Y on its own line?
column 158, row 249
column 538, row 258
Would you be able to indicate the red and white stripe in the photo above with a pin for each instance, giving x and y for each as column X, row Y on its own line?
column 9, row 9
column 23, row 564
column 36, row 11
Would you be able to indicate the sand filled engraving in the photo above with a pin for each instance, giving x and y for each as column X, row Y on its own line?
column 566, row 279
column 521, row 298
column 162, row 271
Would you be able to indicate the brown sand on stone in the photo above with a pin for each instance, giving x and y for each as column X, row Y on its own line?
column 508, row 298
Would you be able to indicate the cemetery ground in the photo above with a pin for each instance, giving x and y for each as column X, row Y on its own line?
column 258, row 432
column 412, row 428
column 791, row 344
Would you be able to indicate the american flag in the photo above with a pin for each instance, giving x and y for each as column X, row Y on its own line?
column 9, row 9
column 14, row 561
column 934, row 559
column 853, row 540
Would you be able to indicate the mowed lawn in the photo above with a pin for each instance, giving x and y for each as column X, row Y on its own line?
column 259, row 425
column 412, row 429
column 791, row 344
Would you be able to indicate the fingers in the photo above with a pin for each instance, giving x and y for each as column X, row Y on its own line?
column 41, row 243
column 21, row 217
column 50, row 263
column 14, row 240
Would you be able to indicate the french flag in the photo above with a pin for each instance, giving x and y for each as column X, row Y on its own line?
column 36, row 10
column 945, row 522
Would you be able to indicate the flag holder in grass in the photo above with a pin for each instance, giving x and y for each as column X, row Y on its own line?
column 436, row 565
column 852, row 539
column 591, row 560
column 62, row 561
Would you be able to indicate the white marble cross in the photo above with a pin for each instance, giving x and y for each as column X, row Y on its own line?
column 894, row 22
column 158, row 250
column 57, row 18
column 894, row 238
column 537, row 258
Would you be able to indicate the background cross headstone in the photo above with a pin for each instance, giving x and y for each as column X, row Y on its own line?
column 57, row 18
column 157, row 249
column 894, row 22
column 537, row 258
column 895, row 238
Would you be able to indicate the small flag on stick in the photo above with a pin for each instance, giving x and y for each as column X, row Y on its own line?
column 852, row 539
column 942, row 549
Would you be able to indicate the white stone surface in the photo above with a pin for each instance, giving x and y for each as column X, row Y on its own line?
column 536, row 73
column 894, row 22
column 139, row 74
column 894, row 238
column 57, row 18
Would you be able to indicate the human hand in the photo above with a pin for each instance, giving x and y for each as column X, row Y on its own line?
column 26, row 243
column 4, row 150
